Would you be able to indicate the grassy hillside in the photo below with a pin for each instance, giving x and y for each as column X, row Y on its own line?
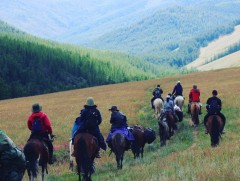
column 32, row 66
column 187, row 156
column 214, row 49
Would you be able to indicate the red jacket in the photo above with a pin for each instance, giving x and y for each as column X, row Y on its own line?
column 194, row 95
column 43, row 120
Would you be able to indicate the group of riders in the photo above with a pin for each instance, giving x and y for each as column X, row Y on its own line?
column 89, row 121
column 213, row 105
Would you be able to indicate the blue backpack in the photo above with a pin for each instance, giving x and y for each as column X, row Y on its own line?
column 37, row 126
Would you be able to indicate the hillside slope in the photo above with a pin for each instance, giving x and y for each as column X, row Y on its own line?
column 189, row 148
column 213, row 49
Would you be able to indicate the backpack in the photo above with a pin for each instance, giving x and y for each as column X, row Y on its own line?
column 157, row 93
column 91, row 119
column 37, row 126
column 149, row 135
column 214, row 106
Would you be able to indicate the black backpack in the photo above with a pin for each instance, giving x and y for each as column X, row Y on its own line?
column 37, row 126
column 91, row 119
column 214, row 106
column 157, row 93
column 149, row 135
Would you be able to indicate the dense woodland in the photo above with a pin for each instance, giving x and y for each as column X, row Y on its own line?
column 31, row 66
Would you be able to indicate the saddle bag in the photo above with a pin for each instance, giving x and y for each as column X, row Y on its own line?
column 149, row 135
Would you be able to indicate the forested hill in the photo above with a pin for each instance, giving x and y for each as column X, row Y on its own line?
column 31, row 66
column 175, row 34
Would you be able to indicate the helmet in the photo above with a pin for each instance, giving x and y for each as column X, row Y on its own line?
column 90, row 102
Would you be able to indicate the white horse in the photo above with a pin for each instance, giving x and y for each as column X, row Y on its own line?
column 158, row 104
column 179, row 101
column 71, row 149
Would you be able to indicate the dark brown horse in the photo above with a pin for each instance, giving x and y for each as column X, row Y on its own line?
column 214, row 126
column 139, row 142
column 36, row 153
column 163, row 131
column 119, row 144
column 170, row 120
column 85, row 150
column 195, row 108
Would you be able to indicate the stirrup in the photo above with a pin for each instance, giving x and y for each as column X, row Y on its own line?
column 98, row 155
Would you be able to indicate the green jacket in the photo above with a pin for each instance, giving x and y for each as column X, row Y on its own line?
column 10, row 155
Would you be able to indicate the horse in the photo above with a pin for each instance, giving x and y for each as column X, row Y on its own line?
column 36, row 153
column 179, row 101
column 85, row 150
column 170, row 120
column 158, row 105
column 214, row 126
column 119, row 144
column 163, row 131
column 195, row 108
column 71, row 149
column 138, row 144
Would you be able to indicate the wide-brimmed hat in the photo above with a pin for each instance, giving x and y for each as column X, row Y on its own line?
column 113, row 108
column 90, row 102
column 36, row 108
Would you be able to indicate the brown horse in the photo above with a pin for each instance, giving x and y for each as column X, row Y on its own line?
column 195, row 108
column 170, row 120
column 214, row 126
column 139, row 142
column 36, row 153
column 119, row 144
column 85, row 150
column 163, row 131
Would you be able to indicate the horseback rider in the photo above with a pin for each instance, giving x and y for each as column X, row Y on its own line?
column 12, row 160
column 214, row 106
column 194, row 96
column 40, row 126
column 89, row 120
column 177, row 90
column 169, row 107
column 118, row 123
column 157, row 93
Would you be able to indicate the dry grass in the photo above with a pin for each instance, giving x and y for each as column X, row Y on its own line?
column 198, row 162
column 215, row 48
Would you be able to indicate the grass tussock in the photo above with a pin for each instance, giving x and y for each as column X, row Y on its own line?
column 187, row 156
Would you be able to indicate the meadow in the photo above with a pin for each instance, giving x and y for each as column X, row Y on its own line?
column 187, row 156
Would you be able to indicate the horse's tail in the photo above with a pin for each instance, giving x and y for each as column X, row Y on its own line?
column 195, row 114
column 215, row 131
column 118, row 145
column 31, row 159
column 85, row 162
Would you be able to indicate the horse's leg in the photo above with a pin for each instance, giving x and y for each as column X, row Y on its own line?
column 71, row 149
column 43, row 169
column 142, row 151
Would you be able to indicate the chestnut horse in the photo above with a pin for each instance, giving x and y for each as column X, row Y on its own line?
column 139, row 142
column 85, row 150
column 158, row 105
column 195, row 108
column 214, row 126
column 119, row 144
column 36, row 154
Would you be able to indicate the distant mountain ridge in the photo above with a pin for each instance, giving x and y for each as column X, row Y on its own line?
column 164, row 31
